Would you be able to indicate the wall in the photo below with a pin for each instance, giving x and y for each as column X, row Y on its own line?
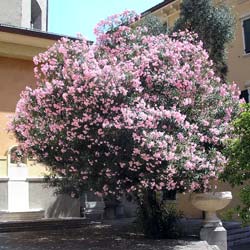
column 11, row 12
column 42, row 197
column 183, row 201
column 3, row 194
column 15, row 75
column 26, row 13
column 238, row 61
column 54, row 205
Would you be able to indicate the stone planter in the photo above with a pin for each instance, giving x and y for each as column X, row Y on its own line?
column 212, row 231
column 210, row 203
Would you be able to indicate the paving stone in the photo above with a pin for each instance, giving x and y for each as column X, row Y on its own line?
column 94, row 237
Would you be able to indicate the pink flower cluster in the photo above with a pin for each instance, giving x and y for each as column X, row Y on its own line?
column 130, row 112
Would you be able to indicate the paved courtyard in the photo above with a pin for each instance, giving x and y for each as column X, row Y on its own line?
column 92, row 237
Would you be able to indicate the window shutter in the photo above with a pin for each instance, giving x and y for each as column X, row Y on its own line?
column 244, row 94
column 246, row 27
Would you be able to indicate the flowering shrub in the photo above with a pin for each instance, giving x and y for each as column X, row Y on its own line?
column 129, row 113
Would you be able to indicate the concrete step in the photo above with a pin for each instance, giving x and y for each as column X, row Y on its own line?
column 232, row 225
column 42, row 224
column 21, row 216
column 238, row 242
column 238, row 230
column 237, row 234
column 241, row 235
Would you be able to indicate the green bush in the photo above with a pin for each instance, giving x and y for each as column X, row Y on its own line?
column 228, row 214
column 214, row 26
column 158, row 220
column 237, row 171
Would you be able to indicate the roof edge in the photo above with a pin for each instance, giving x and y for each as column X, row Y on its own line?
column 156, row 7
column 33, row 33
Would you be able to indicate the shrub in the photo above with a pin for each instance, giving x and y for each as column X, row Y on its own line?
column 237, row 170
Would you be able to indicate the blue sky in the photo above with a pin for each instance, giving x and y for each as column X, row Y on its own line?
column 70, row 17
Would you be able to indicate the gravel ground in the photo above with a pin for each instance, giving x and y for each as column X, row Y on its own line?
column 93, row 237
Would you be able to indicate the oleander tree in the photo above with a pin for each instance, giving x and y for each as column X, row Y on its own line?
column 133, row 113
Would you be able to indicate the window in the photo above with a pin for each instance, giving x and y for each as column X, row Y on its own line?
column 36, row 15
column 246, row 30
column 245, row 94
column 16, row 156
column 169, row 195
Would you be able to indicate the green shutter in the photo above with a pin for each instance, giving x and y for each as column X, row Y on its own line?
column 246, row 26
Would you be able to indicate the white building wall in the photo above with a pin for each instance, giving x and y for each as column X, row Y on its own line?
column 26, row 14
column 18, row 13
column 11, row 12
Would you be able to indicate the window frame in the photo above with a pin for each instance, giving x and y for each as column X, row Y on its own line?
column 244, row 18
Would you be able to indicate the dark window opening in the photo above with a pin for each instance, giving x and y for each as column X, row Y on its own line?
column 169, row 195
column 246, row 27
column 36, row 15
column 244, row 94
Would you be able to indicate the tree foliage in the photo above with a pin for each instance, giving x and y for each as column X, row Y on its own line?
column 153, row 24
column 237, row 171
column 214, row 26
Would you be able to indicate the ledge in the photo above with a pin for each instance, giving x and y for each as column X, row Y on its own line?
column 35, row 179
column 4, row 179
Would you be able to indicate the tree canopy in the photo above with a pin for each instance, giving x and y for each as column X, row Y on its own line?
column 214, row 25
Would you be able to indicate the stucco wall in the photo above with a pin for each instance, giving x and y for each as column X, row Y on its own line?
column 3, row 166
column 26, row 13
column 41, row 197
column 3, row 194
column 11, row 12
column 184, row 204
column 15, row 75
column 55, row 206
column 238, row 61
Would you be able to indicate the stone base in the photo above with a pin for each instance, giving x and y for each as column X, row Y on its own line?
column 21, row 215
column 215, row 236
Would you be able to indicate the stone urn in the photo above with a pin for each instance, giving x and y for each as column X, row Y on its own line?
column 212, row 231
column 210, row 203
